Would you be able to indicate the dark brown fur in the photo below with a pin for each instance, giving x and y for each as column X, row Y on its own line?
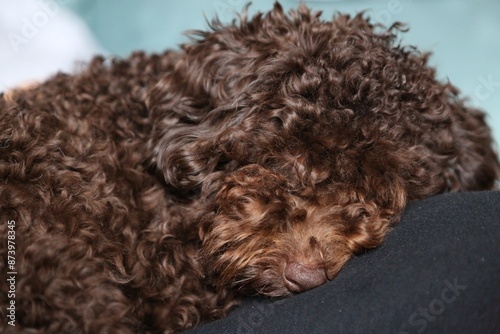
column 148, row 193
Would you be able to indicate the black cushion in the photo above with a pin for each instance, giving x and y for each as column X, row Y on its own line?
column 437, row 272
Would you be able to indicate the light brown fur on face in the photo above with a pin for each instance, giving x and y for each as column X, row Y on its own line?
column 260, row 232
column 150, row 194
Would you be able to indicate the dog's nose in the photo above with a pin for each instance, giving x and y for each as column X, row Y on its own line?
column 299, row 277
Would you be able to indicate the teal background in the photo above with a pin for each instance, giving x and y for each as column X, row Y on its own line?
column 463, row 35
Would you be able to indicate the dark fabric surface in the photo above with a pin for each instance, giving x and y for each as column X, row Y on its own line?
column 437, row 272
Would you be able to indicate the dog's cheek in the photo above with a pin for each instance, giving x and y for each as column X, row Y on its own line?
column 233, row 247
column 223, row 253
column 364, row 225
column 247, row 214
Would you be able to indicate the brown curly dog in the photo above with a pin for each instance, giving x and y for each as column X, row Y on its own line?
column 147, row 194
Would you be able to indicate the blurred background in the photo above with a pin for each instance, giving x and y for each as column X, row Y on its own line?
column 41, row 37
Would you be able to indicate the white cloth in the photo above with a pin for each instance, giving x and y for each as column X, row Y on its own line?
column 40, row 38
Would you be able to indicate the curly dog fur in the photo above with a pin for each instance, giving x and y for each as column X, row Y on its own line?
column 149, row 193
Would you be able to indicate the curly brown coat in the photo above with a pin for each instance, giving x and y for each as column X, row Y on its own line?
column 149, row 193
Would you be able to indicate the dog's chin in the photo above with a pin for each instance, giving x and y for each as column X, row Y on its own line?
column 266, row 284
column 284, row 281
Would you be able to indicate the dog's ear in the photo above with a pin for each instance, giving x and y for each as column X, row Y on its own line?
column 190, row 108
column 182, row 145
column 194, row 103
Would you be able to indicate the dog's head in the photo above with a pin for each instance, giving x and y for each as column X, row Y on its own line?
column 298, row 141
